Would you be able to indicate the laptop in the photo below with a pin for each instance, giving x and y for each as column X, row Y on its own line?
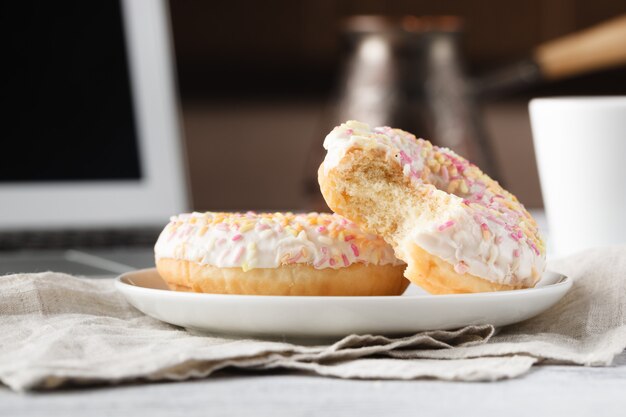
column 92, row 160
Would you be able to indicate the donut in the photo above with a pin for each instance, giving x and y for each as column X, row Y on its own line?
column 276, row 254
column 457, row 229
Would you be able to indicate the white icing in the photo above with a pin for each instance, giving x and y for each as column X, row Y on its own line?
column 253, row 240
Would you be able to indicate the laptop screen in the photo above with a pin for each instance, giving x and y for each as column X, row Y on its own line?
column 67, row 91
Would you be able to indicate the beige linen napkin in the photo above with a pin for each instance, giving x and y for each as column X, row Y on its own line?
column 57, row 329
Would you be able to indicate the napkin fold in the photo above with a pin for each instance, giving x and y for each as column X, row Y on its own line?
column 56, row 329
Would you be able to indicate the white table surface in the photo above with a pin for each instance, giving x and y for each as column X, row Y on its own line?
column 546, row 390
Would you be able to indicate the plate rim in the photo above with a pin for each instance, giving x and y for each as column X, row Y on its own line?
column 120, row 284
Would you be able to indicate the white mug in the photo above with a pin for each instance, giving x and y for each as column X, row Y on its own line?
column 580, row 144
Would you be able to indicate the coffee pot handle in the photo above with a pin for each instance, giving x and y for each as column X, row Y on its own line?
column 599, row 47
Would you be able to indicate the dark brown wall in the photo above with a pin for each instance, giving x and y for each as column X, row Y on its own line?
column 257, row 81
column 281, row 45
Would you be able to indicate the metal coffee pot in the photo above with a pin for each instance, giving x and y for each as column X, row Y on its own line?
column 410, row 73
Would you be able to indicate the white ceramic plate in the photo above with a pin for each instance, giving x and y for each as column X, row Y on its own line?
column 295, row 316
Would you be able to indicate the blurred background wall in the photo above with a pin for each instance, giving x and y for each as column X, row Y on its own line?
column 258, row 82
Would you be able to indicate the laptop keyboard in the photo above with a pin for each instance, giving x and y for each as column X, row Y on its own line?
column 65, row 239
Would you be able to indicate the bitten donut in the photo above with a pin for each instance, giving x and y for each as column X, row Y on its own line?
column 276, row 254
column 456, row 228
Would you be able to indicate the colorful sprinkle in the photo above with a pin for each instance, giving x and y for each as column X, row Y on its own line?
column 239, row 254
column 485, row 231
column 461, row 267
column 404, row 158
column 446, row 225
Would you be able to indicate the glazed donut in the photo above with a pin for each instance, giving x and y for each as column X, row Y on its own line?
column 276, row 254
column 457, row 229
